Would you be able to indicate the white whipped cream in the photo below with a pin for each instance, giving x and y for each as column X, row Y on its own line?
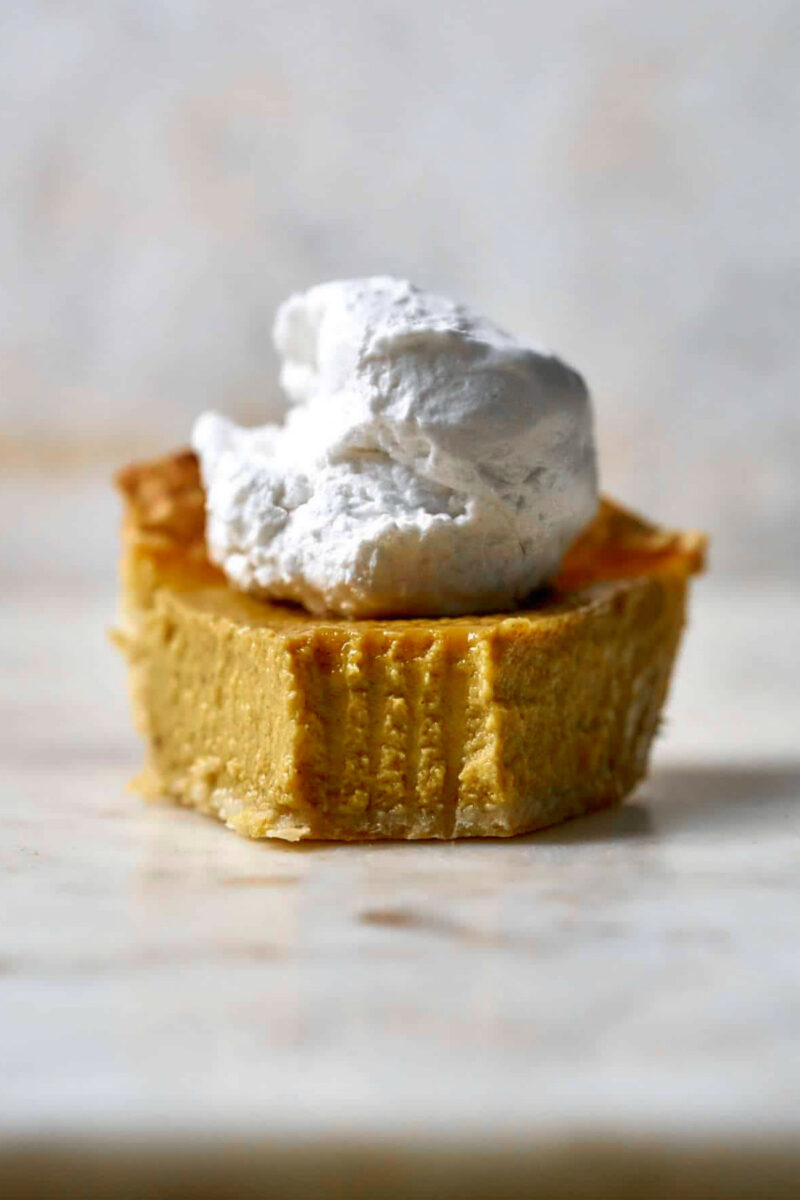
column 429, row 463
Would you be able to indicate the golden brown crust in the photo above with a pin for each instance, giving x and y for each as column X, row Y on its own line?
column 619, row 544
column 165, row 517
column 165, row 506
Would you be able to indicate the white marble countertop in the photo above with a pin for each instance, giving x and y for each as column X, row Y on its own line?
column 628, row 980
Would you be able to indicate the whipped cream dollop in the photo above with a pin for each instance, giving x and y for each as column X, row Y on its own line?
column 428, row 464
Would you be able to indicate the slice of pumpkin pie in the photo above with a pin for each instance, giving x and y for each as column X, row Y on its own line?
column 403, row 612
column 288, row 725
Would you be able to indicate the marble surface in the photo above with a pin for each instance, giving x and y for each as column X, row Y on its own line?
column 629, row 980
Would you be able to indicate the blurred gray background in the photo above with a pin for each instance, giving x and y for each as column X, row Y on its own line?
column 616, row 180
